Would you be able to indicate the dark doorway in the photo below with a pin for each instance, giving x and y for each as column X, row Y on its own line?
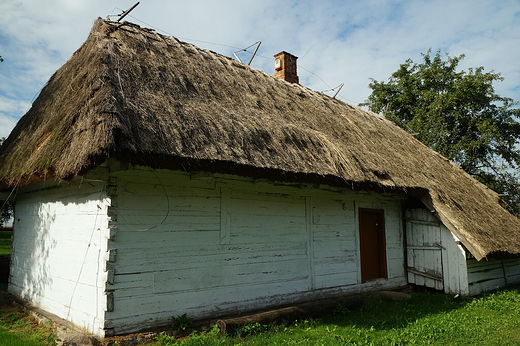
column 372, row 244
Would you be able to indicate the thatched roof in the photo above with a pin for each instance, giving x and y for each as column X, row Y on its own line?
column 131, row 94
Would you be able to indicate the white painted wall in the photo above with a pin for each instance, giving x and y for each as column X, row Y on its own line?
column 434, row 255
column 485, row 275
column 59, row 248
column 454, row 264
column 446, row 258
column 130, row 251
column 215, row 245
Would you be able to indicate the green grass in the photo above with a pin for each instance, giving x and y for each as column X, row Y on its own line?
column 5, row 242
column 426, row 319
column 17, row 328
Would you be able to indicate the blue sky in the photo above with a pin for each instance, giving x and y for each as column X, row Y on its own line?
column 336, row 41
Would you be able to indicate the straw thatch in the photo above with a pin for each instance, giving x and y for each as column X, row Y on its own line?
column 131, row 94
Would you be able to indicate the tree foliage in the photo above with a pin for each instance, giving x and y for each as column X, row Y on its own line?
column 459, row 115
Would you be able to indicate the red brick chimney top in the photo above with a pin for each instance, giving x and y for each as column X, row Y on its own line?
column 285, row 67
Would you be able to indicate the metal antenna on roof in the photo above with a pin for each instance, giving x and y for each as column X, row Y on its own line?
column 125, row 13
column 339, row 88
column 245, row 49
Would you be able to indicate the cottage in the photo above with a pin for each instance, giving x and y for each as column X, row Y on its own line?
column 152, row 179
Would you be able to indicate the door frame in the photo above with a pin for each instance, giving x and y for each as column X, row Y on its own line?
column 365, row 245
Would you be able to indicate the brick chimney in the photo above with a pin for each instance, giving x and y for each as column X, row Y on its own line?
column 285, row 66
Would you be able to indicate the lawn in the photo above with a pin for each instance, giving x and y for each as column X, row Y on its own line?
column 17, row 328
column 5, row 242
column 424, row 319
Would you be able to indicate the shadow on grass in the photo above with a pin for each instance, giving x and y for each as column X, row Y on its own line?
column 383, row 314
column 380, row 314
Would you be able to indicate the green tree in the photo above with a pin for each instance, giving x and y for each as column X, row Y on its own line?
column 7, row 207
column 459, row 115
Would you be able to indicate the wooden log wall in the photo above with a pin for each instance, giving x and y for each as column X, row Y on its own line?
column 221, row 245
column 435, row 258
column 485, row 275
column 59, row 247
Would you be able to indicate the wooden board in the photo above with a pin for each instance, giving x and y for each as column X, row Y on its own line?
column 233, row 243
column 58, row 262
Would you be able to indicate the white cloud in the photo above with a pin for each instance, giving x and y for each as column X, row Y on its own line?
column 351, row 40
column 7, row 107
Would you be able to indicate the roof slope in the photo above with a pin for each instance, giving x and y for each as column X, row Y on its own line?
column 135, row 95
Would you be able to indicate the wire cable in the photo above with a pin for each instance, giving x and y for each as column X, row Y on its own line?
column 239, row 49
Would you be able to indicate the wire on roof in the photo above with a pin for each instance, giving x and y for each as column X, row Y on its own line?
column 238, row 49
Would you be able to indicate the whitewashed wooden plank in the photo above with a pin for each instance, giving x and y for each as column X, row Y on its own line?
column 151, row 239
column 133, row 280
column 197, row 249
column 248, row 187
column 268, row 193
column 242, row 219
column 158, row 304
column 173, row 189
column 396, row 268
column 259, row 235
column 342, row 231
column 483, row 266
column 51, row 278
column 225, row 216
column 336, row 266
column 194, row 206
column 484, row 275
column 163, row 177
column 168, row 223
column 223, row 298
column 58, row 296
column 166, row 259
column 487, row 285
column 333, row 212
column 341, row 249
column 81, row 318
column 200, row 278
column 272, row 206
column 454, row 265
column 48, row 273
column 65, row 207
column 209, row 303
column 393, row 253
column 512, row 269
column 333, row 241
column 309, row 236
column 218, row 303
column 336, row 280
column 251, row 234
column 334, row 253
column 423, row 255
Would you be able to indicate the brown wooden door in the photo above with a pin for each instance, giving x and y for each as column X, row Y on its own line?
column 372, row 244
